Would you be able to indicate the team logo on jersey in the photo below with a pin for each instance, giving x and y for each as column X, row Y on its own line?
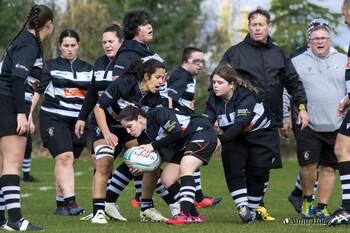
column 243, row 112
column 309, row 68
column 306, row 155
column 51, row 131
column 18, row 66
column 347, row 125
column 97, row 131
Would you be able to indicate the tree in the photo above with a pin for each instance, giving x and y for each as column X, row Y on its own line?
column 291, row 19
column 88, row 19
column 176, row 24
column 13, row 15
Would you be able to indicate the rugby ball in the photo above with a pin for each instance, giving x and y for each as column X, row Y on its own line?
column 135, row 158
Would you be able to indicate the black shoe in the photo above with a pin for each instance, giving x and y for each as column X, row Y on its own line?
column 30, row 178
column 21, row 225
column 340, row 216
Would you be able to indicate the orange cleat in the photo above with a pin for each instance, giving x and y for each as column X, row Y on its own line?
column 135, row 203
column 208, row 202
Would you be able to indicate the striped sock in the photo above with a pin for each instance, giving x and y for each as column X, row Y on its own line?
column 10, row 185
column 188, row 192
column 344, row 172
column 120, row 179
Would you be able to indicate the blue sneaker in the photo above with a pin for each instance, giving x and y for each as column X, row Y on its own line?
column 340, row 216
column 307, row 211
column 324, row 214
column 74, row 209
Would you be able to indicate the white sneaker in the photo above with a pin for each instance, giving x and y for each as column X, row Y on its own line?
column 99, row 218
column 112, row 210
column 151, row 215
column 175, row 208
column 87, row 217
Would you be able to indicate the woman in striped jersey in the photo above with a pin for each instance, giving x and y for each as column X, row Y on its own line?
column 139, row 83
column 64, row 83
column 195, row 140
column 103, row 156
column 21, row 71
column 249, row 141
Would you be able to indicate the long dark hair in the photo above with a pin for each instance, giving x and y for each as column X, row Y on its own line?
column 36, row 19
column 139, row 68
column 131, row 112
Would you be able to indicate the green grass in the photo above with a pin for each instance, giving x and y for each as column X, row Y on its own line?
column 38, row 203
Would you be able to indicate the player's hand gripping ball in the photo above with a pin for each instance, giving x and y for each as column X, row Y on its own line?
column 135, row 158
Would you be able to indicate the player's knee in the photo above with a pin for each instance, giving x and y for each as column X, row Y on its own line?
column 104, row 151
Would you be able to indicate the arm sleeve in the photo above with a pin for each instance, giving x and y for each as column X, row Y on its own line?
column 45, row 79
column 293, row 84
column 110, row 95
column 243, row 117
column 24, row 57
column 18, row 93
column 168, row 121
column 89, row 101
column 122, row 61
column 176, row 86
column 168, row 140
column 209, row 113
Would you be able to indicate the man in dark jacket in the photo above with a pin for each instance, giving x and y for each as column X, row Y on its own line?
column 267, row 67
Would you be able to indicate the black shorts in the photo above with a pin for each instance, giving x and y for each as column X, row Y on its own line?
column 57, row 133
column 119, row 131
column 200, row 150
column 316, row 147
column 345, row 126
column 8, row 116
column 260, row 148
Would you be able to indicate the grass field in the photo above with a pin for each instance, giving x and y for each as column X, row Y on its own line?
column 38, row 204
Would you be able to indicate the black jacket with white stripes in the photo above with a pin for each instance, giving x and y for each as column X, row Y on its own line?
column 242, row 113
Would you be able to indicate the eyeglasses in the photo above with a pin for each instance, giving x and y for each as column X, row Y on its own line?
column 197, row 62
column 317, row 39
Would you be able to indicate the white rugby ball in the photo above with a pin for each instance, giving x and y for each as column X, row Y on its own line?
column 134, row 158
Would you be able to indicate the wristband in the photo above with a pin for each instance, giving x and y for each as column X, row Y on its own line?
column 30, row 116
column 302, row 107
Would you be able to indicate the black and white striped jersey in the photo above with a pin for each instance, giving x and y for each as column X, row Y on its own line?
column 181, row 88
column 242, row 113
column 22, row 60
column 122, row 92
column 101, row 79
column 64, row 84
column 164, row 123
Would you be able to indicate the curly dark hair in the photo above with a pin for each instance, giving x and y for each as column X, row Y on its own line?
column 132, row 20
